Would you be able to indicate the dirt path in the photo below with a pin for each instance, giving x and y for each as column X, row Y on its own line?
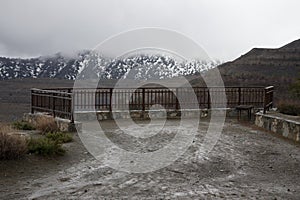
column 246, row 163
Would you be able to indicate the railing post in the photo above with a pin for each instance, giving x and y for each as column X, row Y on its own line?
column 49, row 102
column 271, row 97
column 53, row 104
column 143, row 100
column 268, row 98
column 208, row 99
column 265, row 100
column 72, row 108
column 177, row 101
column 110, row 99
column 239, row 93
column 32, row 104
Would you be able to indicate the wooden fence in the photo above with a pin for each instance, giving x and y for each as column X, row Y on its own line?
column 56, row 102
column 62, row 102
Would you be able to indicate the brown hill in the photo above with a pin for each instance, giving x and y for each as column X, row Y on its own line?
column 283, row 62
column 262, row 67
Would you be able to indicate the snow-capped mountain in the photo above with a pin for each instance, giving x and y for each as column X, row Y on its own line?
column 87, row 64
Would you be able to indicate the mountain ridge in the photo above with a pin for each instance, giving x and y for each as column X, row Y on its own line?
column 283, row 61
column 64, row 67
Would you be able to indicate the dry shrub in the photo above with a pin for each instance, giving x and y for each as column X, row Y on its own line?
column 289, row 107
column 11, row 146
column 46, row 125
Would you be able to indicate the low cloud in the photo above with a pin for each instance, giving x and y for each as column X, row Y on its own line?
column 226, row 29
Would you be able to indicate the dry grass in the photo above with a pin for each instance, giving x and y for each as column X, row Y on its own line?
column 46, row 125
column 11, row 146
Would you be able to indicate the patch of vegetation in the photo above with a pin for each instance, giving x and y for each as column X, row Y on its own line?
column 289, row 108
column 11, row 146
column 21, row 125
column 50, row 144
column 46, row 125
column 45, row 147
column 291, row 104
column 295, row 89
column 60, row 137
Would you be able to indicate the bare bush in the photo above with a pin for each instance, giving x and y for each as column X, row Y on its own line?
column 12, row 146
column 46, row 125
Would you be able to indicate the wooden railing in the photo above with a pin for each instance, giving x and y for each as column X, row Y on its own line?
column 55, row 102
column 62, row 102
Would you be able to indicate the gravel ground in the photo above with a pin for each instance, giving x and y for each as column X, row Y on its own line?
column 246, row 163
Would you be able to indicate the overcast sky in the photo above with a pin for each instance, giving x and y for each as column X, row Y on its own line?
column 224, row 28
